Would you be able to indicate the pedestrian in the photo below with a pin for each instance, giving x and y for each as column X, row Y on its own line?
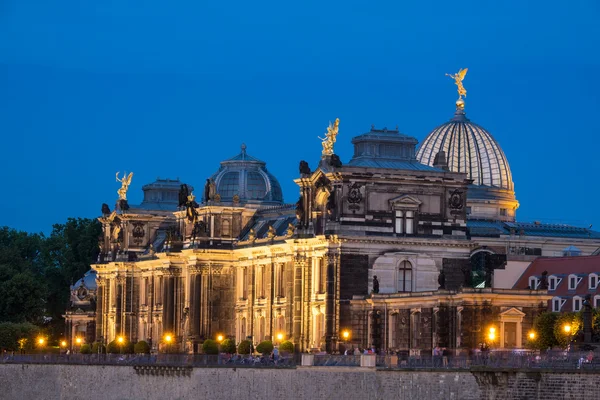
column 357, row 351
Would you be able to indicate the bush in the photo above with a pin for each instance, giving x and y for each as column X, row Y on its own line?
column 244, row 347
column 141, row 347
column 228, row 346
column 12, row 335
column 210, row 347
column 286, row 347
column 115, row 347
column 98, row 348
column 265, row 347
column 85, row 349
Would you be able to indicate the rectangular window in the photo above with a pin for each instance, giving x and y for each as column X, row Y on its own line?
column 503, row 212
column 593, row 281
column 468, row 210
column 533, row 283
column 399, row 222
column 597, row 300
column 552, row 284
column 410, row 222
column 245, row 284
column 572, row 283
column 576, row 305
column 556, row 305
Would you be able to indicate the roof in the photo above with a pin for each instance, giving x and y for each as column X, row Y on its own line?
column 497, row 228
column 470, row 149
column 243, row 156
column 581, row 266
column 383, row 163
column 278, row 217
column 88, row 280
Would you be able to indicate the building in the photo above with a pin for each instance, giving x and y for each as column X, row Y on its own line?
column 568, row 280
column 80, row 315
column 403, row 248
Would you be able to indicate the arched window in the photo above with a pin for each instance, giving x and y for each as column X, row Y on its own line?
column 405, row 277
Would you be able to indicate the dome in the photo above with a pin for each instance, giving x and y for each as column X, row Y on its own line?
column 247, row 177
column 88, row 280
column 470, row 149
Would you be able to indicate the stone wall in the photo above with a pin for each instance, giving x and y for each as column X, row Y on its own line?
column 122, row 382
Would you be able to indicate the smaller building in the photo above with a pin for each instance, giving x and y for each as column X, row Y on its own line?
column 568, row 280
column 80, row 317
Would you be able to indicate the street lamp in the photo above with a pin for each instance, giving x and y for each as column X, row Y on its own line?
column 121, row 340
column 346, row 335
column 168, row 339
column 220, row 338
column 41, row 341
column 492, row 334
column 567, row 328
column 63, row 343
column 532, row 335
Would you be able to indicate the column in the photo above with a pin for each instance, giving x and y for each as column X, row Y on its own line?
column 119, row 305
column 329, row 302
column 99, row 307
column 297, row 304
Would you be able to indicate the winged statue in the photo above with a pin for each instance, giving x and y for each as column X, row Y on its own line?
column 125, row 182
column 458, row 78
column 330, row 137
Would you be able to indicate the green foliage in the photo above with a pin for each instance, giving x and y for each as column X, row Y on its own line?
column 141, row 347
column 115, row 347
column 244, row 347
column 572, row 319
column 210, row 347
column 36, row 271
column 15, row 337
column 286, row 347
column 265, row 347
column 228, row 346
column 543, row 326
column 85, row 349
column 98, row 346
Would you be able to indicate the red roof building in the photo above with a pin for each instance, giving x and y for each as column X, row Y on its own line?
column 569, row 280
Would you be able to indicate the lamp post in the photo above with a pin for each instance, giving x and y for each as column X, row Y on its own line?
column 279, row 337
column 567, row 330
column 120, row 340
column 168, row 339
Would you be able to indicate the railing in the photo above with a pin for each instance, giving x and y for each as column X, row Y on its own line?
column 485, row 360
column 167, row 360
column 331, row 360
column 528, row 359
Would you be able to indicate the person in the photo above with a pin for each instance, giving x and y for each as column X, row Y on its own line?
column 346, row 352
column 276, row 354
column 357, row 351
column 445, row 354
column 437, row 352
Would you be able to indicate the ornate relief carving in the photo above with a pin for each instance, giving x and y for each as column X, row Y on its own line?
column 355, row 196
column 138, row 233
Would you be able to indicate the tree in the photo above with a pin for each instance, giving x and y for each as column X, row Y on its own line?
column 98, row 348
column 228, row 346
column 543, row 326
column 244, row 347
column 574, row 321
column 265, row 347
column 210, row 347
column 15, row 337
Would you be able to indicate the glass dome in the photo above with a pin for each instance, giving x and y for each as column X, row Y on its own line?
column 247, row 177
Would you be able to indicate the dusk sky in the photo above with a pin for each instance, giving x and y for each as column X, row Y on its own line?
column 168, row 89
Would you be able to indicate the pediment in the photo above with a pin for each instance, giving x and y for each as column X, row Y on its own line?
column 512, row 312
column 405, row 200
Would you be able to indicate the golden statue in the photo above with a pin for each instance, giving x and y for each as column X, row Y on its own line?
column 329, row 140
column 125, row 182
column 458, row 78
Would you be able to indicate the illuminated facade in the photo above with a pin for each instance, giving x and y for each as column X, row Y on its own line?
column 242, row 263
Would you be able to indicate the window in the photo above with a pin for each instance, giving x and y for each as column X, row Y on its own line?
column 593, row 281
column 320, row 275
column 533, row 283
column 405, row 222
column 468, row 210
column 226, row 228
column 574, row 280
column 557, row 304
column 553, row 282
column 503, row 212
column 245, row 283
column 576, row 303
column 596, row 301
column 415, row 334
column 280, row 281
column 405, row 277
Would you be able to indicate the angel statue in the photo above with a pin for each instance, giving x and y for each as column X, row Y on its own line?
column 458, row 78
column 329, row 140
column 125, row 182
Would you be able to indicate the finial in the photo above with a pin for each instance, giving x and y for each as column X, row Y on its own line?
column 458, row 78
column 243, row 147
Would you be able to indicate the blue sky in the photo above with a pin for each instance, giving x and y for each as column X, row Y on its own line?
column 169, row 89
